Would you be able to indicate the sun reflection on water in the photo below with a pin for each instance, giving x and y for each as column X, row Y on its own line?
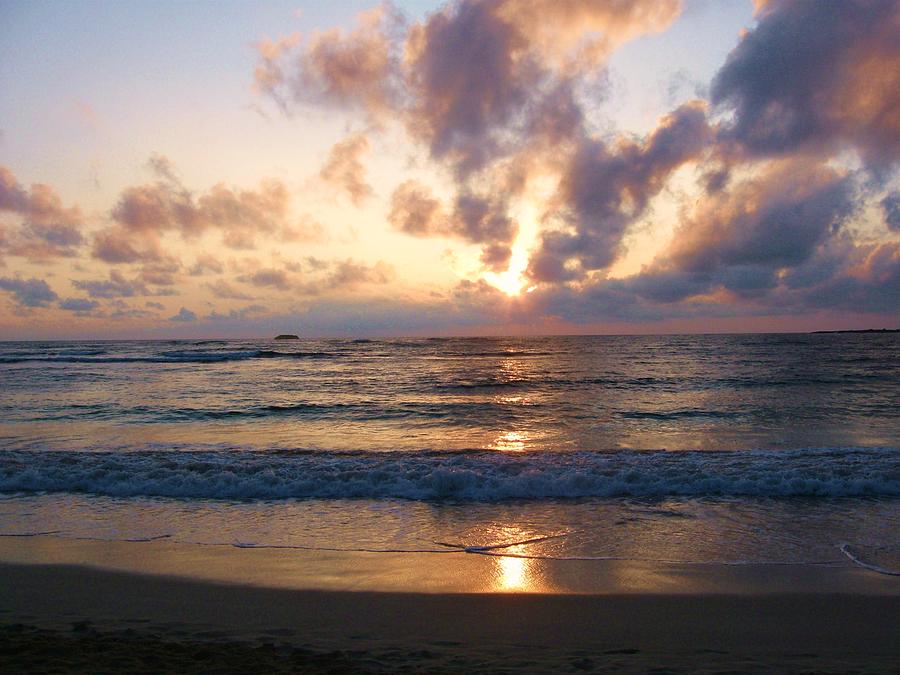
column 510, row 441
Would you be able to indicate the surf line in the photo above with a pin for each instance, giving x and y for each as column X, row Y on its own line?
column 493, row 547
column 848, row 551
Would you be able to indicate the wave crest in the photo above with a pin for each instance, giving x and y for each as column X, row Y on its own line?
column 465, row 476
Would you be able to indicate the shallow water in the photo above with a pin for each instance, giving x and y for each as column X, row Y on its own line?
column 731, row 449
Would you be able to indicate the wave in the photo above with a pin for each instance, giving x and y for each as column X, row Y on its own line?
column 271, row 354
column 181, row 356
column 464, row 476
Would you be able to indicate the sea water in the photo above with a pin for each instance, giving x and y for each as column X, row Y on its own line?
column 711, row 449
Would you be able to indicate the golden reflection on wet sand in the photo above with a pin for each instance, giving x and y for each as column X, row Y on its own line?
column 512, row 573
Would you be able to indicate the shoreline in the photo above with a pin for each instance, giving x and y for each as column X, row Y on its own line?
column 448, row 572
column 70, row 610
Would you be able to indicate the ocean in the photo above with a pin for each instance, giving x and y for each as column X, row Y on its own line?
column 704, row 449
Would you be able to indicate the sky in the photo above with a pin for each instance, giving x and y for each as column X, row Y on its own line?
column 479, row 167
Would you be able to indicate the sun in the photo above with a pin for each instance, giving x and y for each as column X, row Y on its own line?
column 511, row 281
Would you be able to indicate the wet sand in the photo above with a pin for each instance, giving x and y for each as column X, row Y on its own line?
column 65, row 617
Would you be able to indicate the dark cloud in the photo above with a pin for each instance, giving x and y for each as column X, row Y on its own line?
column 606, row 188
column 464, row 81
column 184, row 315
column 495, row 257
column 479, row 219
column 856, row 278
column 475, row 219
column 29, row 292
column 470, row 75
column 117, row 286
column 79, row 305
column 344, row 169
column 816, row 75
column 477, row 69
column 745, row 238
column 891, row 207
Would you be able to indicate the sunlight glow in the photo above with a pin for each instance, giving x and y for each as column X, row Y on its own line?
column 510, row 441
column 513, row 280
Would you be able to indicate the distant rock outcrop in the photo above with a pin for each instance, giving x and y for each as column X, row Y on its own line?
column 286, row 337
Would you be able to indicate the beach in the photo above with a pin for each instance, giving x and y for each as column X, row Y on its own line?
column 103, row 607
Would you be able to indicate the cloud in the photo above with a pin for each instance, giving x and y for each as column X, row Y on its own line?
column 29, row 292
column 237, row 314
column 356, row 69
column 475, row 219
column 47, row 228
column 206, row 263
column 117, row 286
column 117, row 245
column 222, row 289
column 318, row 277
column 143, row 213
column 184, row 315
column 891, row 206
column 122, row 310
column 307, row 229
column 79, row 305
column 465, row 80
column 268, row 277
column 476, row 68
column 869, row 280
column 604, row 189
column 349, row 273
column 746, row 238
column 344, row 168
column 415, row 210
column 816, row 77
column 163, row 272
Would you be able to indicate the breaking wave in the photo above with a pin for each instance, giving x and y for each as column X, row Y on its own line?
column 464, row 476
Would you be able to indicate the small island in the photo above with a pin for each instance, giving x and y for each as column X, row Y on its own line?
column 286, row 337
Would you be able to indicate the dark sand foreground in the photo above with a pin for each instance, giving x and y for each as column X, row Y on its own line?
column 60, row 618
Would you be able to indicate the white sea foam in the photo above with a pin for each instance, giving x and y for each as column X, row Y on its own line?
column 471, row 476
